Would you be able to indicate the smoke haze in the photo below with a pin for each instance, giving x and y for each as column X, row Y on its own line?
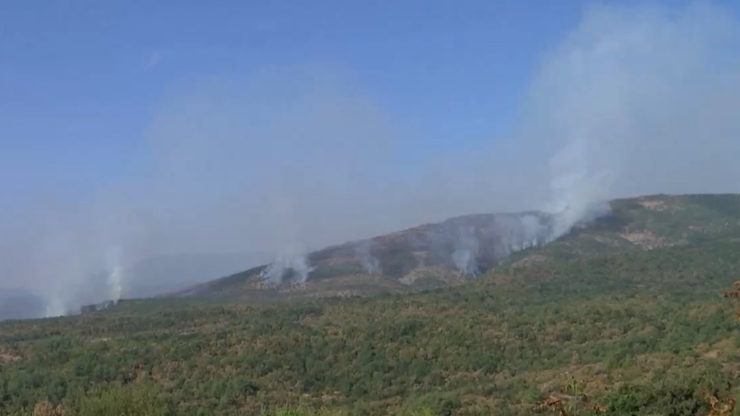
column 466, row 249
column 370, row 264
column 635, row 100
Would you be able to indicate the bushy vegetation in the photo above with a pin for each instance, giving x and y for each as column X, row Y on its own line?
column 646, row 331
column 134, row 399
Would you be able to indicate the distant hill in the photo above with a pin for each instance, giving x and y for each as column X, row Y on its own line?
column 626, row 313
column 151, row 277
column 628, row 310
column 452, row 251
column 429, row 255
column 645, row 224
column 163, row 274
column 20, row 304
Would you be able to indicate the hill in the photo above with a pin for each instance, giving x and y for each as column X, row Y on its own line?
column 20, row 304
column 625, row 315
column 151, row 277
column 159, row 275
column 451, row 252
column 427, row 256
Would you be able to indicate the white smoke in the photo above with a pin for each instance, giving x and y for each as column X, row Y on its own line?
column 292, row 266
column 55, row 307
column 520, row 232
column 636, row 100
column 115, row 275
column 530, row 231
column 626, row 103
column 579, row 190
column 115, row 284
column 534, row 232
column 302, row 268
column 466, row 250
column 363, row 253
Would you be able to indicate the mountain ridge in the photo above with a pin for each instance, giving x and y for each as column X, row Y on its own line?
column 629, row 306
column 451, row 251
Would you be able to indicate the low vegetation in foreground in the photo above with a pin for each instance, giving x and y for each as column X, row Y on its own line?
column 625, row 317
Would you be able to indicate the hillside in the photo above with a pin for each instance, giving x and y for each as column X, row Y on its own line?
column 20, row 304
column 627, row 311
column 159, row 275
column 431, row 255
column 453, row 251
column 150, row 277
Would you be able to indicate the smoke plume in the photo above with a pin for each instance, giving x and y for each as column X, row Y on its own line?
column 115, row 276
column 466, row 250
column 363, row 253
column 635, row 100
column 291, row 269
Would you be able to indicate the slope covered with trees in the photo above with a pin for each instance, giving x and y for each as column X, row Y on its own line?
column 625, row 316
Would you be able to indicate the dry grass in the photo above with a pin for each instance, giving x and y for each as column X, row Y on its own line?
column 654, row 205
column 645, row 240
column 6, row 357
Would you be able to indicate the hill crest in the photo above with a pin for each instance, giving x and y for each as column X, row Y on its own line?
column 450, row 252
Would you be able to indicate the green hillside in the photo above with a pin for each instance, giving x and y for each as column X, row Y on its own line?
column 415, row 259
column 626, row 314
column 421, row 258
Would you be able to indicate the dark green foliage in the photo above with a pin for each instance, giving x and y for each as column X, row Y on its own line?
column 137, row 399
column 134, row 399
column 681, row 396
column 433, row 404
column 647, row 329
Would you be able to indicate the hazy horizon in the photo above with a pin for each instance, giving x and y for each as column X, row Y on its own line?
column 283, row 129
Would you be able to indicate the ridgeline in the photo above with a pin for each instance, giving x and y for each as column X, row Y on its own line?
column 623, row 316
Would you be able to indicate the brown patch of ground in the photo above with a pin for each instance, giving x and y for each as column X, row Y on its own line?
column 438, row 273
column 716, row 350
column 6, row 357
column 556, row 380
column 711, row 354
column 529, row 260
column 294, row 287
column 654, row 205
column 645, row 239
column 341, row 294
column 605, row 240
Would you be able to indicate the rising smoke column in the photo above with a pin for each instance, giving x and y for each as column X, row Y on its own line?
column 293, row 263
column 370, row 263
column 636, row 100
column 624, row 104
column 55, row 307
column 115, row 275
column 580, row 190
column 297, row 268
column 525, row 231
column 465, row 252
column 515, row 232
column 534, row 231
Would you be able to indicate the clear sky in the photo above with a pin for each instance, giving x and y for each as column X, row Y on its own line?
column 130, row 128
column 79, row 79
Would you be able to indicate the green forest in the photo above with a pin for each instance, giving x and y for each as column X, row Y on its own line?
column 571, row 327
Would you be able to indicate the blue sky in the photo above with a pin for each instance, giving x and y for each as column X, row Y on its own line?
column 147, row 127
column 80, row 79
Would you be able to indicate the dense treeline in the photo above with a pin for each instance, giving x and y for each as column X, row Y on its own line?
column 502, row 342
column 647, row 331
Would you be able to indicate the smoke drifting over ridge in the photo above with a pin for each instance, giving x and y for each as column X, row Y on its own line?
column 370, row 264
column 635, row 100
column 640, row 100
column 466, row 250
